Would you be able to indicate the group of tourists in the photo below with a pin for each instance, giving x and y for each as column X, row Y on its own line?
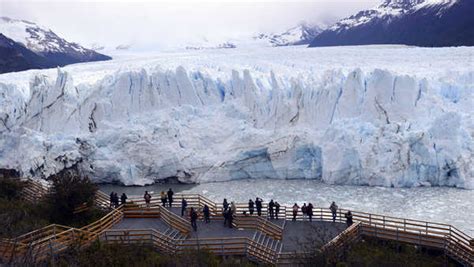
column 273, row 208
column 114, row 199
column 228, row 212
column 193, row 215
column 167, row 197
column 307, row 211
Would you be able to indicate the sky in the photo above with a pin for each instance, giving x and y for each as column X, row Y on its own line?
column 167, row 23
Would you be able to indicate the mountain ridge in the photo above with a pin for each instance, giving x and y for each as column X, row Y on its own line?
column 430, row 23
column 46, row 49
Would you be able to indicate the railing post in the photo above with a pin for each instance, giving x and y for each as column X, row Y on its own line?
column 397, row 233
column 370, row 219
column 419, row 238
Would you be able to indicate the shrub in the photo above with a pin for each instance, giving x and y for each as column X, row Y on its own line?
column 10, row 188
column 69, row 191
column 100, row 254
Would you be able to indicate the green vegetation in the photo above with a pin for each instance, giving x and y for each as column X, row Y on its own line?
column 10, row 188
column 100, row 254
column 19, row 216
column 372, row 252
column 69, row 191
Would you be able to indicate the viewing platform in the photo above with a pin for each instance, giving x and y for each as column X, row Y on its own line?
column 260, row 239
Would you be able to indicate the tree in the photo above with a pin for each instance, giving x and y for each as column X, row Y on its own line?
column 69, row 191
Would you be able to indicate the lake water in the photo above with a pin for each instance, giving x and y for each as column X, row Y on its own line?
column 436, row 204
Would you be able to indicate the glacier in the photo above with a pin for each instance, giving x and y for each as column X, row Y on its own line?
column 224, row 115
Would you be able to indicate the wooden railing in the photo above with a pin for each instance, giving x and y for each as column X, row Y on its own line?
column 349, row 235
column 219, row 246
column 102, row 200
column 50, row 240
column 57, row 237
column 166, row 215
column 34, row 191
column 141, row 236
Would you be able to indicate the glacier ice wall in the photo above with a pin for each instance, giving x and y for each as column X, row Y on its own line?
column 364, row 128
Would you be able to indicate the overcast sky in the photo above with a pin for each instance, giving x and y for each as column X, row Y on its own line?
column 112, row 22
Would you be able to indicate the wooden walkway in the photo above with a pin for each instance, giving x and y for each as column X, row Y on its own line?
column 275, row 242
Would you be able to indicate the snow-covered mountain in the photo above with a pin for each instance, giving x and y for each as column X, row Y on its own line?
column 301, row 34
column 298, row 35
column 54, row 50
column 410, row 22
column 388, row 116
column 204, row 46
column 16, row 57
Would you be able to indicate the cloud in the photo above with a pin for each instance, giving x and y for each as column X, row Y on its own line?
column 164, row 23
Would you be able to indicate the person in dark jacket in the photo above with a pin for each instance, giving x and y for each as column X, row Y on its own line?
column 225, row 213
column 194, row 216
column 333, row 209
column 206, row 213
column 170, row 197
column 304, row 210
column 225, row 205
column 147, row 198
column 123, row 198
column 116, row 200
column 271, row 206
column 184, row 205
column 309, row 211
column 230, row 217
column 277, row 209
column 251, row 206
column 258, row 204
column 295, row 211
column 111, row 199
column 348, row 216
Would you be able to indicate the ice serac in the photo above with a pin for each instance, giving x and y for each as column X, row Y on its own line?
column 374, row 128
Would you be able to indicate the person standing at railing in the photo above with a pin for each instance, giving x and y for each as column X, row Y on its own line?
column 258, row 204
column 184, row 205
column 225, row 205
column 251, row 207
column 230, row 217
column 348, row 216
column 304, row 211
column 295, row 211
column 147, row 198
column 111, row 199
column 194, row 217
column 277, row 209
column 206, row 213
column 123, row 198
column 170, row 197
column 271, row 206
column 333, row 209
column 233, row 208
column 309, row 211
column 164, row 198
column 116, row 200
column 225, row 213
